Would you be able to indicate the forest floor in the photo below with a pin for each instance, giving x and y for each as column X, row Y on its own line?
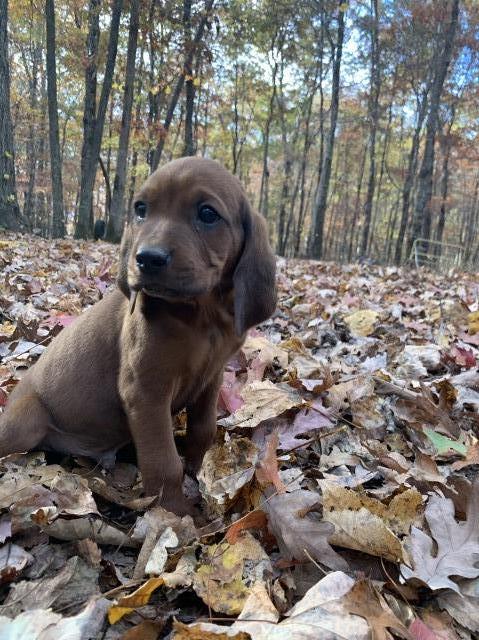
column 341, row 490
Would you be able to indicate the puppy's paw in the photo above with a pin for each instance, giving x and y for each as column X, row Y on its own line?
column 180, row 505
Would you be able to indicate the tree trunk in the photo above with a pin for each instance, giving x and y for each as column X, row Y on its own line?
column 409, row 177
column 421, row 224
column 115, row 221
column 32, row 144
column 320, row 203
column 446, row 150
column 189, row 149
column 382, row 166
column 375, row 87
column 58, row 220
column 9, row 210
column 288, row 146
column 474, row 214
column 353, row 236
column 179, row 84
column 263, row 204
column 93, row 120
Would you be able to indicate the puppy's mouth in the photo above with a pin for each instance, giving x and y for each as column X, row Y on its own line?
column 168, row 293
column 172, row 294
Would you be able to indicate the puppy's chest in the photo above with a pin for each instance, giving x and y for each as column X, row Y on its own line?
column 203, row 361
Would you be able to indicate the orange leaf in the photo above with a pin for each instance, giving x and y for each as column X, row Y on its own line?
column 253, row 520
column 267, row 468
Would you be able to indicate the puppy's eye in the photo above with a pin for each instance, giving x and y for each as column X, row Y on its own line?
column 207, row 214
column 140, row 209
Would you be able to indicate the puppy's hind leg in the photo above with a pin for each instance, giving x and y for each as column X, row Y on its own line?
column 24, row 423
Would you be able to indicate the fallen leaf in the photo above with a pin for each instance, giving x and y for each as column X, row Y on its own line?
column 262, row 401
column 41, row 624
column 226, row 572
column 226, row 469
column 299, row 535
column 267, row 466
column 138, row 598
column 74, row 584
column 253, row 520
column 362, row 322
column 365, row 601
column 158, row 557
column 368, row 525
column 463, row 606
column 453, row 549
column 319, row 615
column 13, row 559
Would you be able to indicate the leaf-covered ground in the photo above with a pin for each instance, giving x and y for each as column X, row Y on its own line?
column 341, row 493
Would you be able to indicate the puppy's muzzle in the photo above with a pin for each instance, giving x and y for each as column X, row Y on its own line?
column 151, row 260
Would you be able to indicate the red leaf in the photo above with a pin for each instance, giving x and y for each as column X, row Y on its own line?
column 420, row 631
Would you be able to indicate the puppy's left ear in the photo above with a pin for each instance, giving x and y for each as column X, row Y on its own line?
column 254, row 276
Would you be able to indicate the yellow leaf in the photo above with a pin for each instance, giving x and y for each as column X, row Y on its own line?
column 343, row 7
column 138, row 598
column 7, row 328
column 197, row 82
column 473, row 322
column 167, row 90
column 223, row 577
column 362, row 322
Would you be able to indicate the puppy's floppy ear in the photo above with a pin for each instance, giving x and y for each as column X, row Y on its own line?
column 126, row 242
column 254, row 276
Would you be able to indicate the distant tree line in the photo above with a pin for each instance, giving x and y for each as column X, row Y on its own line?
column 353, row 125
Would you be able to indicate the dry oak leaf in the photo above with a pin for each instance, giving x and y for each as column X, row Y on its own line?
column 267, row 468
column 44, row 624
column 253, row 520
column 419, row 410
column 344, row 395
column 319, row 615
column 262, row 401
column 472, row 457
column 453, row 549
column 146, row 630
column 368, row 525
column 73, row 585
column 226, row 573
column 365, row 601
column 297, row 534
column 362, row 322
column 463, row 608
column 202, row 632
column 13, row 559
column 473, row 322
column 226, row 469
column 138, row 598
column 260, row 347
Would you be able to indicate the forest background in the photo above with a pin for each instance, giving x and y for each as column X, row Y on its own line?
column 353, row 125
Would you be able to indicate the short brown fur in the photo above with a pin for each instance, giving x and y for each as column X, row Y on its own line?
column 122, row 369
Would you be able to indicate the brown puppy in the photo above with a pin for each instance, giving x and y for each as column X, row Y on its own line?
column 196, row 271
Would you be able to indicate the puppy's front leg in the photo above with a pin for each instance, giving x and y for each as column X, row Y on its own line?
column 201, row 425
column 160, row 465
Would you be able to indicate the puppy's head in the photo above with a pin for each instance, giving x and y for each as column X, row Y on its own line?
column 192, row 231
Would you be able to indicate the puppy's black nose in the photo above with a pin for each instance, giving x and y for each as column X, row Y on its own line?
column 151, row 260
